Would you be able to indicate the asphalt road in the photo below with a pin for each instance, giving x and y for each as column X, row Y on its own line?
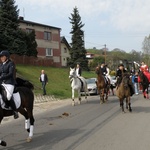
column 89, row 126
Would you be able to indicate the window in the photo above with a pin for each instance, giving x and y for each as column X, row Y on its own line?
column 29, row 30
column 49, row 52
column 65, row 50
column 47, row 35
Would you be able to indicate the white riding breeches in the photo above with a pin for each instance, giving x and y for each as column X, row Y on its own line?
column 9, row 90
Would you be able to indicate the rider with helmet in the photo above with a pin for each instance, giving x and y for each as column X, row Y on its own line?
column 7, row 80
column 104, row 72
column 119, row 74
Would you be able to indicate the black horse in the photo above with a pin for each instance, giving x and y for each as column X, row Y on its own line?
column 144, row 82
column 24, row 88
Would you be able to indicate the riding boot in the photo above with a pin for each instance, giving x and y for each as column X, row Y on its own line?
column 13, row 106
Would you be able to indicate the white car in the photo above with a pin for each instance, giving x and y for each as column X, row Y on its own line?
column 113, row 81
column 91, row 86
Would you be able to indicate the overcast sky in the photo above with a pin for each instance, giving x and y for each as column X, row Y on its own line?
column 117, row 23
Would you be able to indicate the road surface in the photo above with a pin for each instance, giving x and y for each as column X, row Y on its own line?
column 89, row 126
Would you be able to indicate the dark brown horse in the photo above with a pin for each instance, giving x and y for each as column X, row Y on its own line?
column 102, row 85
column 24, row 89
column 123, row 92
column 144, row 82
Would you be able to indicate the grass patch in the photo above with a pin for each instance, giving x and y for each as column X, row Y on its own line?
column 58, row 79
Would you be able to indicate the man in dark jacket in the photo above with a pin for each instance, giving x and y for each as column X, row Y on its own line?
column 44, row 79
column 119, row 73
column 104, row 72
column 7, row 80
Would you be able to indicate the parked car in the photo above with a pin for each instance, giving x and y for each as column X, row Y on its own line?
column 113, row 81
column 91, row 86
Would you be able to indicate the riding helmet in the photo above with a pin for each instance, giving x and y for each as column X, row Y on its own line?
column 5, row 53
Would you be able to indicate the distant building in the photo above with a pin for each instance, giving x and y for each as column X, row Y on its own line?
column 65, row 48
column 50, row 44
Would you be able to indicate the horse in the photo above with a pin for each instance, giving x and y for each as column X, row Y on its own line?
column 23, row 92
column 77, row 84
column 123, row 92
column 143, row 80
column 102, row 85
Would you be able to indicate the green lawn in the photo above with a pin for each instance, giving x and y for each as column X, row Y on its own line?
column 59, row 83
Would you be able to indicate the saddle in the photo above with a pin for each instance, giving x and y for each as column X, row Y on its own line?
column 4, row 101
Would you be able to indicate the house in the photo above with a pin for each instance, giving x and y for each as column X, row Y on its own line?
column 65, row 48
column 49, row 43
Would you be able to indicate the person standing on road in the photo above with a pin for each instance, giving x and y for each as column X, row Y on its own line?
column 135, row 82
column 44, row 80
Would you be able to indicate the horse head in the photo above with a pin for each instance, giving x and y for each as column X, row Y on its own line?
column 72, row 73
column 125, row 80
column 98, row 70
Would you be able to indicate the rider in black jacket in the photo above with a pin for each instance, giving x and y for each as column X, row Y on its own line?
column 7, row 80
column 119, row 73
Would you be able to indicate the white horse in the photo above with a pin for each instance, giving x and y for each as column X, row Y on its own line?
column 77, row 84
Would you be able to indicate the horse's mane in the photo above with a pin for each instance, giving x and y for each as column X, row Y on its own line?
column 24, row 83
column 126, row 75
column 98, row 70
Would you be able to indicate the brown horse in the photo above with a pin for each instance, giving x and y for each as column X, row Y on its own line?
column 24, row 89
column 102, row 85
column 123, row 91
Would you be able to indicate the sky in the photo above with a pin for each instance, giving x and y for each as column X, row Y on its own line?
column 119, row 24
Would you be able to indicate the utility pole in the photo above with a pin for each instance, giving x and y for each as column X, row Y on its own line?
column 105, row 53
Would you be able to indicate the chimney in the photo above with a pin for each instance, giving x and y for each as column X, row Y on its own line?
column 21, row 18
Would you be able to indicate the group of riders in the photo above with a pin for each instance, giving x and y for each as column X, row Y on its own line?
column 121, row 71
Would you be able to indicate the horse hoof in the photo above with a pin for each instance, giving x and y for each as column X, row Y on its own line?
column 29, row 139
column 73, row 103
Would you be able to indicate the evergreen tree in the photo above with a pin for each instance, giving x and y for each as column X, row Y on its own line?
column 77, row 52
column 11, row 37
column 31, row 44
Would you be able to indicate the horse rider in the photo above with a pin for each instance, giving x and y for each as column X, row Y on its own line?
column 104, row 71
column 7, row 80
column 119, row 74
column 78, row 70
column 144, row 67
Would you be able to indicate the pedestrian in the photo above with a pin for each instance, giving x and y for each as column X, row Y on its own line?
column 78, row 70
column 132, row 71
column 44, row 80
column 135, row 82
column 7, row 80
